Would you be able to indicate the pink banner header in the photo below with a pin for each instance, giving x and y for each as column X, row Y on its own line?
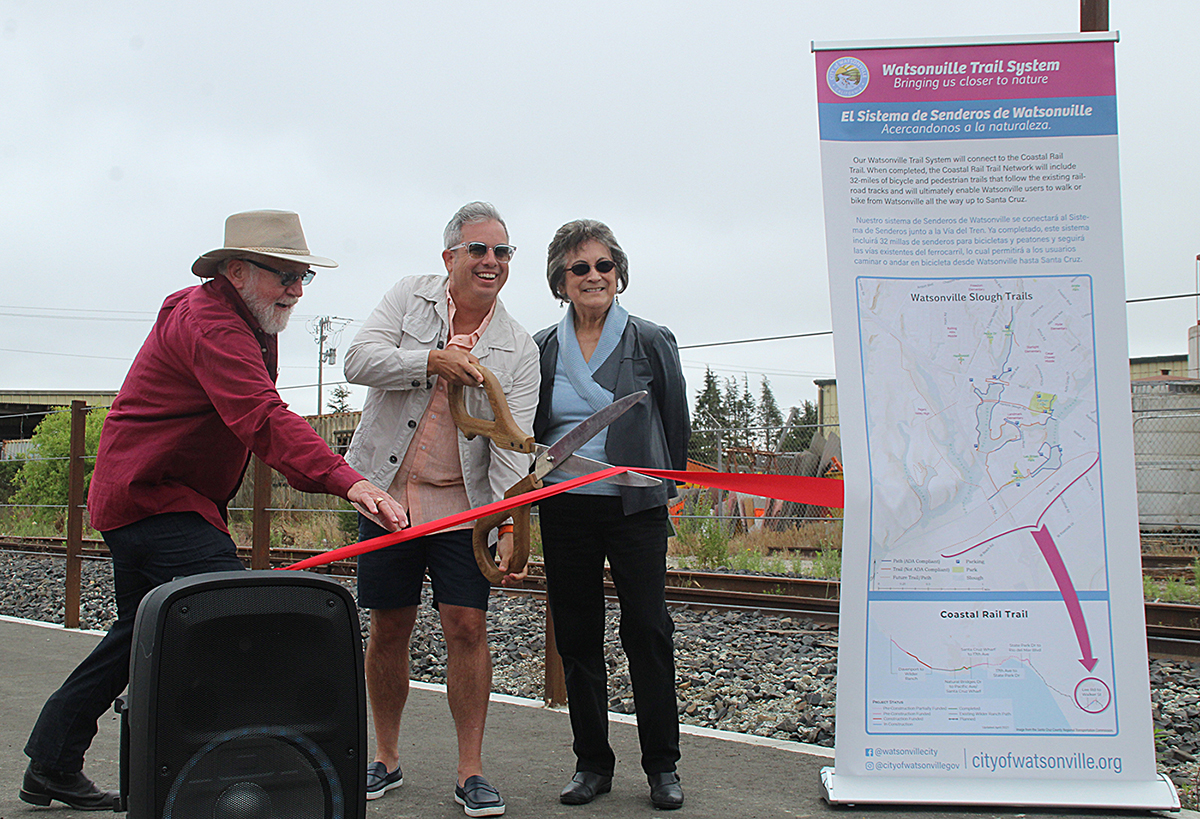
column 968, row 72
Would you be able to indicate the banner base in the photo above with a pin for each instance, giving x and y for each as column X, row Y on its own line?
column 1154, row 794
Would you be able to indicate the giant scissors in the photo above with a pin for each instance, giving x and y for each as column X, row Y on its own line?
column 504, row 433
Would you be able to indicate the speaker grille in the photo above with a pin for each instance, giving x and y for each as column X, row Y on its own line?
column 230, row 652
column 264, row 772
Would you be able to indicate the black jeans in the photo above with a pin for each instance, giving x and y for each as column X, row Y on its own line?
column 578, row 533
column 144, row 555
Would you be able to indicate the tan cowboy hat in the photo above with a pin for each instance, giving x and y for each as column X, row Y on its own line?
column 275, row 234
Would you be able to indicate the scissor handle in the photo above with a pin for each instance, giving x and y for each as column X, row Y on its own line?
column 503, row 431
column 520, row 518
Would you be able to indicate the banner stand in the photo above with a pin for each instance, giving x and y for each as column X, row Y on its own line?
column 992, row 642
column 1159, row 794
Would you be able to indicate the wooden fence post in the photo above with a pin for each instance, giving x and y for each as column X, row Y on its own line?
column 260, row 538
column 75, row 470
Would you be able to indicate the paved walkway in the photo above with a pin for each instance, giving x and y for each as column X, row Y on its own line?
column 526, row 751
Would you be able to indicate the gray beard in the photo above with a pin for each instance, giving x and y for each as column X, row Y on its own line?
column 272, row 321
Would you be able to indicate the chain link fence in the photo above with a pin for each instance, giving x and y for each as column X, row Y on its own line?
column 804, row 450
column 1166, row 433
column 1166, row 445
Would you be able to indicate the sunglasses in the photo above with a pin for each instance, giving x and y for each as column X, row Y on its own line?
column 582, row 268
column 287, row 279
column 477, row 250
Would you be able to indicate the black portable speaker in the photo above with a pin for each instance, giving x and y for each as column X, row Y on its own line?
column 246, row 700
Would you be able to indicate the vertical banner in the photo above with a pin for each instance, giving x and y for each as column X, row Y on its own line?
column 992, row 639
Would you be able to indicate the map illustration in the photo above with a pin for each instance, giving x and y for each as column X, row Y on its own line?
column 986, row 515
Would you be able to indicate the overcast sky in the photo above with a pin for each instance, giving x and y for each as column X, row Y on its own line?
column 130, row 130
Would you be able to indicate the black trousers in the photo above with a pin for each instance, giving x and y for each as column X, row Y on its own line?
column 578, row 533
column 144, row 555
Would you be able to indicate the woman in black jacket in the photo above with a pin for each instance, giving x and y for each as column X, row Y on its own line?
column 596, row 354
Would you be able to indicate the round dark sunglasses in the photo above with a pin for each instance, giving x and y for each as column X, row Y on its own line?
column 582, row 268
column 287, row 279
column 477, row 250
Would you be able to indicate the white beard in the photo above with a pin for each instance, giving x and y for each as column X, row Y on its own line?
column 272, row 321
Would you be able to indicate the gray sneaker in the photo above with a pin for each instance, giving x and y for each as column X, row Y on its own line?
column 379, row 781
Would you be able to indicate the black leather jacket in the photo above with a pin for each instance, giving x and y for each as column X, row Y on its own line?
column 654, row 432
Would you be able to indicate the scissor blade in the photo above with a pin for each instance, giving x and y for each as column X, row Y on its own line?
column 547, row 461
column 579, row 465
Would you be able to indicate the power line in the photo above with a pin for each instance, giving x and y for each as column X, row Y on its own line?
column 733, row 368
column 67, row 355
column 752, row 340
column 830, row 332
column 1163, row 298
column 681, row 347
column 78, row 310
column 143, row 319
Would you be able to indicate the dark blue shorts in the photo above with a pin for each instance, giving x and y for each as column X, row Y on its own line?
column 391, row 577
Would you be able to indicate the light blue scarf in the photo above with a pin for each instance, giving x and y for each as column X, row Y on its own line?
column 570, row 357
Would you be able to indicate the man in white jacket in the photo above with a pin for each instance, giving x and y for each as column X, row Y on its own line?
column 430, row 331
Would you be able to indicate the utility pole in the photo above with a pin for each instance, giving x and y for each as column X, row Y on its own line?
column 1093, row 15
column 326, row 330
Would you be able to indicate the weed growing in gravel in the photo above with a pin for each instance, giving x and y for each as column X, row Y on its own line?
column 827, row 565
column 744, row 560
column 700, row 535
column 1170, row 590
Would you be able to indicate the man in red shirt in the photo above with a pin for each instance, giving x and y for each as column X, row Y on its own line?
column 198, row 400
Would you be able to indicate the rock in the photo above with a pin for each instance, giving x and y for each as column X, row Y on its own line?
column 758, row 673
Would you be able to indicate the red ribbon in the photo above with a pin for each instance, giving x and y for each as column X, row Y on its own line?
column 813, row 491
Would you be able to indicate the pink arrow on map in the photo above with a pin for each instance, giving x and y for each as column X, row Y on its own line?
column 1066, row 588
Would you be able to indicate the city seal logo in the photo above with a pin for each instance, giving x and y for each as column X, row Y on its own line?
column 847, row 77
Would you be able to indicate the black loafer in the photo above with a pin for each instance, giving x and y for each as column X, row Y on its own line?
column 665, row 792
column 584, row 787
column 478, row 797
column 73, row 789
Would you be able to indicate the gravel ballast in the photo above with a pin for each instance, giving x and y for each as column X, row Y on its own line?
column 750, row 673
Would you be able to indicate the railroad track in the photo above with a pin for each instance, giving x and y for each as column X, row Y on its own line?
column 1172, row 629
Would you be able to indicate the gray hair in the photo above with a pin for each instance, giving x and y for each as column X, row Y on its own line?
column 468, row 214
column 223, row 265
column 569, row 238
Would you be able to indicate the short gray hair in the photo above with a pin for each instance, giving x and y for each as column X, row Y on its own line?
column 468, row 214
column 569, row 238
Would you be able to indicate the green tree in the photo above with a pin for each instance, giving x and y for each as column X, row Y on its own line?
column 41, row 482
column 740, row 412
column 770, row 417
column 804, row 424
column 708, row 415
column 339, row 402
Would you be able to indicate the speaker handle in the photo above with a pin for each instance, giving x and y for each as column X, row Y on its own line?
column 121, row 707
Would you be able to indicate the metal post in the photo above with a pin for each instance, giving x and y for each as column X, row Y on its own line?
column 720, row 510
column 322, row 324
column 260, row 521
column 1093, row 15
column 75, row 470
column 556, row 679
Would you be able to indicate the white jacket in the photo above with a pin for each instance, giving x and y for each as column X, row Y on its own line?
column 389, row 355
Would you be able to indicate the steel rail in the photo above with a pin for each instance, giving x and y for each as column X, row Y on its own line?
column 1172, row 629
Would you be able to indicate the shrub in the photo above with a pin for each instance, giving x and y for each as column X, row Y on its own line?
column 42, row 482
